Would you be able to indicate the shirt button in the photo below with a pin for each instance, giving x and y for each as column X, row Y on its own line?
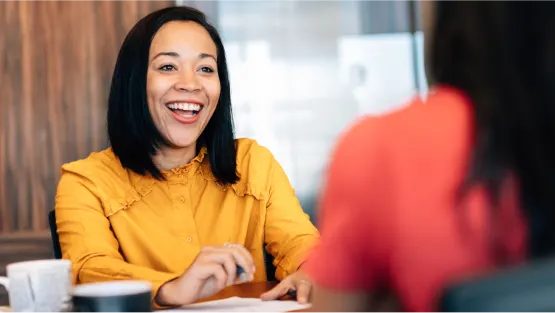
column 188, row 239
column 182, row 199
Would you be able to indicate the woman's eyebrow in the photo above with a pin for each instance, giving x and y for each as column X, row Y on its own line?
column 207, row 55
column 175, row 55
column 171, row 54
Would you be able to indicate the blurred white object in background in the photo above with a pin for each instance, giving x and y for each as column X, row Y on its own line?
column 302, row 71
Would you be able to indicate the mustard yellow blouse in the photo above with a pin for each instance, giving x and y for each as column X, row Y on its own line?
column 116, row 224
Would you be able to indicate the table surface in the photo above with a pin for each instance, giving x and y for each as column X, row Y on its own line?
column 246, row 290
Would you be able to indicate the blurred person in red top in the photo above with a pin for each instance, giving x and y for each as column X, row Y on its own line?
column 455, row 185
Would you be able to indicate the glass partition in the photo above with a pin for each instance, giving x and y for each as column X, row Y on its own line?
column 302, row 71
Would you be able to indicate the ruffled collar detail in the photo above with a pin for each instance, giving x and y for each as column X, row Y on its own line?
column 190, row 167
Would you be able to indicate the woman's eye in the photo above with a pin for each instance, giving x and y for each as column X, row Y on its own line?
column 206, row 69
column 166, row 67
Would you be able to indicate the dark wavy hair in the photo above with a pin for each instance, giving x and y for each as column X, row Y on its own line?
column 502, row 55
column 133, row 135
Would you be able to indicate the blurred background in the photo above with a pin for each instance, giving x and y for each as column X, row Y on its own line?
column 301, row 71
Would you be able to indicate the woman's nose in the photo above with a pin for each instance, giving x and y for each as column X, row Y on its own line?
column 187, row 82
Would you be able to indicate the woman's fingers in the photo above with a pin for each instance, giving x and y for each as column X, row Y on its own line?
column 241, row 249
column 224, row 259
column 278, row 291
column 231, row 256
column 220, row 275
column 303, row 288
column 213, row 269
column 294, row 282
column 228, row 262
column 242, row 256
column 216, row 281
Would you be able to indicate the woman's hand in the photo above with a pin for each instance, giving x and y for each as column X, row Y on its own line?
column 213, row 269
column 297, row 282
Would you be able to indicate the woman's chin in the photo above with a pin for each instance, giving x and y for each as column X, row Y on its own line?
column 182, row 143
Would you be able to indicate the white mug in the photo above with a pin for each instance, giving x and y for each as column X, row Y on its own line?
column 41, row 285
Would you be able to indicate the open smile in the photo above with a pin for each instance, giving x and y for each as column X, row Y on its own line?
column 185, row 112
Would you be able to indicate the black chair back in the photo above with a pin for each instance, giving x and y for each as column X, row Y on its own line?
column 269, row 265
column 530, row 287
column 54, row 234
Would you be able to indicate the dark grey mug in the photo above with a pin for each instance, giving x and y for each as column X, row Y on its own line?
column 113, row 296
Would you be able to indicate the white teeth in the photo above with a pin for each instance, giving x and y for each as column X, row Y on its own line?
column 184, row 106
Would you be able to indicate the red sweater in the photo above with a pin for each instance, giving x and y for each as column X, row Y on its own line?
column 389, row 215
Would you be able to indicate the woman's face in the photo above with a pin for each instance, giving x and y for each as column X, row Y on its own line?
column 182, row 85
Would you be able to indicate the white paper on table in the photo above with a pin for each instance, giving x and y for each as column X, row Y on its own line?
column 236, row 304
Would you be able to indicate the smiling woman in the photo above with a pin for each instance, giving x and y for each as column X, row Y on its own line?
column 177, row 200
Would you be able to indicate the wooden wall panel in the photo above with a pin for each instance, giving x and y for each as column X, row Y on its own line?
column 56, row 61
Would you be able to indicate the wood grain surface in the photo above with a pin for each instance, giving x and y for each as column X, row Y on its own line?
column 56, row 63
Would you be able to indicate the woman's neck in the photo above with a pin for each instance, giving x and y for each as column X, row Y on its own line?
column 168, row 158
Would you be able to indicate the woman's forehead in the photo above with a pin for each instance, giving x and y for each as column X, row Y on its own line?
column 182, row 37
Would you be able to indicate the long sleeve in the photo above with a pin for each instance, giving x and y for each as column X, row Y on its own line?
column 289, row 234
column 87, row 239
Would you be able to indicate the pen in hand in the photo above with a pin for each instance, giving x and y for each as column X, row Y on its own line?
column 240, row 273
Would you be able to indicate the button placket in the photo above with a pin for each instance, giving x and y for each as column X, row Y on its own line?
column 189, row 225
